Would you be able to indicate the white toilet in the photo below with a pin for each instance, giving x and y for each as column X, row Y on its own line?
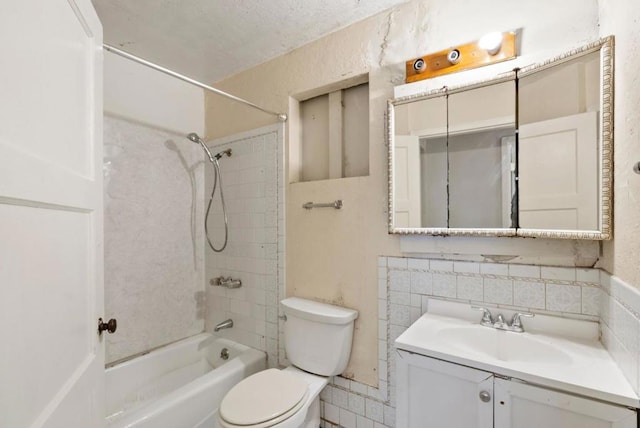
column 317, row 338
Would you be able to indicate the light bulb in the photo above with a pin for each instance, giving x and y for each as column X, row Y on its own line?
column 491, row 42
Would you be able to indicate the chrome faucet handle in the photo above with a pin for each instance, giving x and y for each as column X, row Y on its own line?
column 516, row 322
column 487, row 318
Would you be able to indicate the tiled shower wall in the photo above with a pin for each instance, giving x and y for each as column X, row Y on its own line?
column 154, row 260
column 254, row 196
column 405, row 286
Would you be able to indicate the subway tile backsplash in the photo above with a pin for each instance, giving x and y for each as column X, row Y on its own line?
column 405, row 286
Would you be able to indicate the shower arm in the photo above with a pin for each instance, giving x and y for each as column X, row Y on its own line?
column 281, row 116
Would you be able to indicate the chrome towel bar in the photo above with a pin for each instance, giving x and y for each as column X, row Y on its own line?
column 337, row 204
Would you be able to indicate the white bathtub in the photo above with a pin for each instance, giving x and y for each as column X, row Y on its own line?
column 177, row 386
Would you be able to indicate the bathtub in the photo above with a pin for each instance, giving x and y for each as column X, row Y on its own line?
column 178, row 386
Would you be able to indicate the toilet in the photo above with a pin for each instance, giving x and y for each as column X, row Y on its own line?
column 317, row 339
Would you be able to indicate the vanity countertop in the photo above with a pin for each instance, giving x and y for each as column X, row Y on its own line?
column 555, row 352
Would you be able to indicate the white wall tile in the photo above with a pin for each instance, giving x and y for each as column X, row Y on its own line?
column 374, row 410
column 358, row 387
column 441, row 265
column 362, row 422
column 347, row 419
column 494, row 269
column 382, row 329
column 588, row 275
column 341, row 382
column 444, row 285
column 325, row 394
column 470, row 288
column 418, row 264
column 341, row 397
column 382, row 288
column 466, row 267
column 399, row 280
column 558, row 273
column 524, row 271
column 591, row 297
column 626, row 294
column 564, row 298
column 356, row 403
column 416, row 300
column 498, row 291
column 331, row 413
column 529, row 294
column 421, row 282
column 397, row 262
column 399, row 298
column 399, row 315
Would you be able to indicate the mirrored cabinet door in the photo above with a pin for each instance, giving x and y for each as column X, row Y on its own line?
column 480, row 144
column 559, row 146
column 420, row 164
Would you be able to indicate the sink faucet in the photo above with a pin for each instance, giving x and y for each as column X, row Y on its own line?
column 499, row 322
column 224, row 324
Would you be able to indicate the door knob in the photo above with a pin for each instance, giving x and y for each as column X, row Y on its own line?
column 485, row 397
column 111, row 325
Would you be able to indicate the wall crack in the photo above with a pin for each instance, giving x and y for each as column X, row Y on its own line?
column 385, row 39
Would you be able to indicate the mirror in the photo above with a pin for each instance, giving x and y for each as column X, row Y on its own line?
column 458, row 166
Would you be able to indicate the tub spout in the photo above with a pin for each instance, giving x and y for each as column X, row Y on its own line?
column 224, row 324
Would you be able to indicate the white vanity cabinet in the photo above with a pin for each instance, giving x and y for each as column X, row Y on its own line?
column 439, row 394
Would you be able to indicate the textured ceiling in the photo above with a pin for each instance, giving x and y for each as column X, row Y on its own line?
column 211, row 39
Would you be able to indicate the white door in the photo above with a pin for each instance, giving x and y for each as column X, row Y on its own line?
column 558, row 173
column 51, row 269
column 436, row 394
column 406, row 165
column 518, row 405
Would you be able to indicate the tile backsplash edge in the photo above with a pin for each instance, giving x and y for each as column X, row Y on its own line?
column 620, row 325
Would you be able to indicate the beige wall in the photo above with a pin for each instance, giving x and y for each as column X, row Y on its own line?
column 621, row 18
column 332, row 255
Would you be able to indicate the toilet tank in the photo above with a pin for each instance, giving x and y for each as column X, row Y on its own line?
column 318, row 336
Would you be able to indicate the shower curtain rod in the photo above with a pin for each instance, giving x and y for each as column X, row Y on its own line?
column 281, row 116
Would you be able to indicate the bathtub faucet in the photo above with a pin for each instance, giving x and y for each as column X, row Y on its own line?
column 224, row 324
column 226, row 282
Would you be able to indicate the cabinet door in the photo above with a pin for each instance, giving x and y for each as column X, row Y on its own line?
column 518, row 405
column 434, row 393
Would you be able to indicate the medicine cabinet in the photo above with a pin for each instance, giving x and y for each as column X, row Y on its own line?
column 528, row 153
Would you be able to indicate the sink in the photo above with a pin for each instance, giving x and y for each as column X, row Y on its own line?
column 503, row 345
column 554, row 352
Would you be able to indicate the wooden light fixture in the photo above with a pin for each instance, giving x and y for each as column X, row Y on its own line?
column 490, row 49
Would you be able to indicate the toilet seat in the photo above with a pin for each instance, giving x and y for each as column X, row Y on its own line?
column 263, row 399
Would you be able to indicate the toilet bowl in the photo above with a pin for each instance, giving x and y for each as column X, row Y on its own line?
column 274, row 398
column 318, row 344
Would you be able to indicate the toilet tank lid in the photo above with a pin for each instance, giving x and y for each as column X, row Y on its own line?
column 316, row 311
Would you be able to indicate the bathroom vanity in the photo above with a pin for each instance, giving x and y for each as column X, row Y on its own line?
column 452, row 372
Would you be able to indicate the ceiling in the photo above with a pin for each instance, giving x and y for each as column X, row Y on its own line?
column 211, row 39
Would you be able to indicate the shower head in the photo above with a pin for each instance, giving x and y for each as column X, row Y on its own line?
column 196, row 139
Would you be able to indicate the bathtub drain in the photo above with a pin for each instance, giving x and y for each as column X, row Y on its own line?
column 224, row 354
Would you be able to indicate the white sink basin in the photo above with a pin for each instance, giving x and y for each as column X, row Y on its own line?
column 503, row 345
column 554, row 352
